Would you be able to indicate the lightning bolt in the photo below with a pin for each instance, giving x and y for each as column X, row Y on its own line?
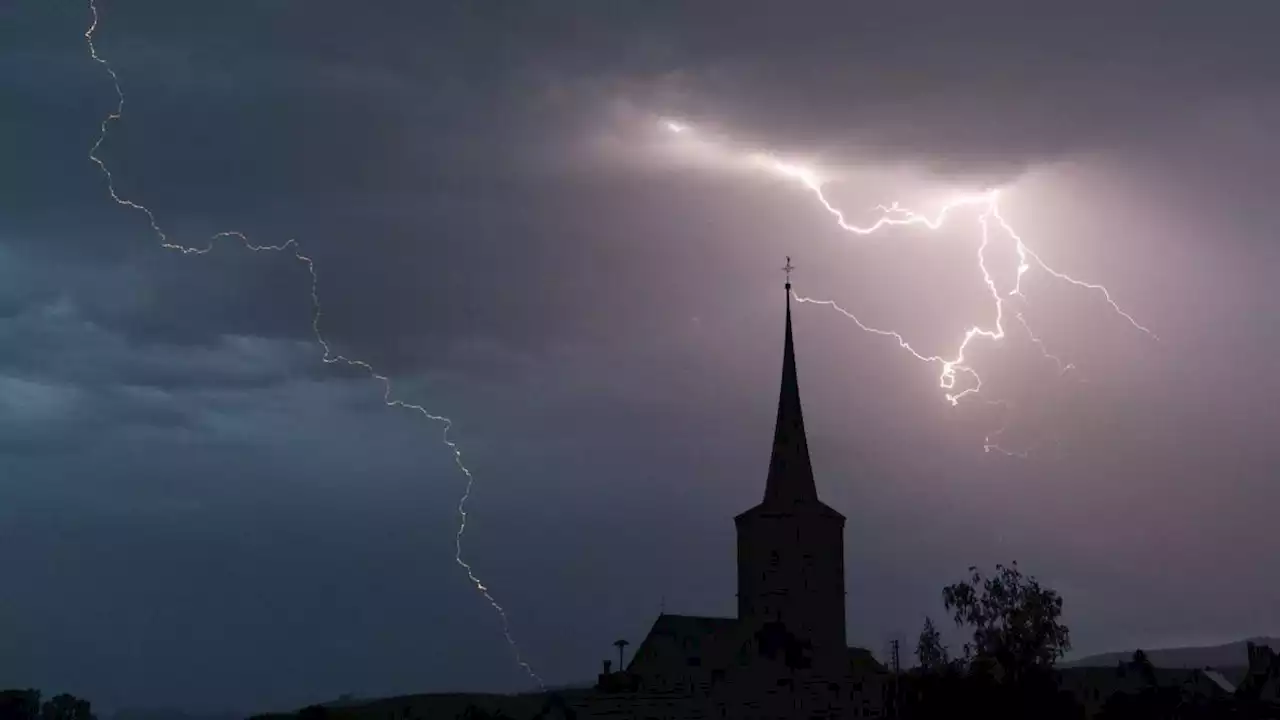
column 293, row 248
column 894, row 215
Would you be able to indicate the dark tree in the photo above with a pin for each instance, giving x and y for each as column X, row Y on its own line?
column 66, row 707
column 775, row 640
column 930, row 652
column 1141, row 665
column 19, row 704
column 1017, row 624
column 313, row 712
column 1007, row 667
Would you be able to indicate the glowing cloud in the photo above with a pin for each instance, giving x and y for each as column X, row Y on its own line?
column 894, row 215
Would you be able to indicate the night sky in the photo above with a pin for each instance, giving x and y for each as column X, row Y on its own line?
column 196, row 511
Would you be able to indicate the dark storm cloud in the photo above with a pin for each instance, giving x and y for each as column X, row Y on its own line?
column 429, row 133
column 67, row 381
column 75, row 333
column 998, row 83
column 77, row 372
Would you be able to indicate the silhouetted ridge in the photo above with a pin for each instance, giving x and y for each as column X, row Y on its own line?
column 1227, row 655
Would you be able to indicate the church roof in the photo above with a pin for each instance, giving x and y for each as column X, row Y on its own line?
column 790, row 487
column 685, row 636
column 675, row 639
column 687, row 627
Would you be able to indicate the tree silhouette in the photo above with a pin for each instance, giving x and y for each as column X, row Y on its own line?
column 313, row 712
column 66, row 707
column 775, row 640
column 620, row 644
column 19, row 705
column 1017, row 628
column 930, row 651
column 1142, row 665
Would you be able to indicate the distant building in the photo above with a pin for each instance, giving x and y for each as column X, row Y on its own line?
column 785, row 654
column 1096, row 687
column 1260, row 688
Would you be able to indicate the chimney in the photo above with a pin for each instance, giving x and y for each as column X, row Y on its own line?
column 608, row 665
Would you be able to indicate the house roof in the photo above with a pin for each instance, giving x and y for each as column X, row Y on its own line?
column 1217, row 678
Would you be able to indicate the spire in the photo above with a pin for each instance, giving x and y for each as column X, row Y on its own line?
column 790, row 474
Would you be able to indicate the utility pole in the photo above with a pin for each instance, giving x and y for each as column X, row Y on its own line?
column 895, row 661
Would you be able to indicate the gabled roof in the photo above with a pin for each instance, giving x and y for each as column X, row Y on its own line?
column 1220, row 680
column 690, row 625
column 676, row 638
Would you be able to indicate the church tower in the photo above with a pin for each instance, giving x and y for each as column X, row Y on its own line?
column 791, row 545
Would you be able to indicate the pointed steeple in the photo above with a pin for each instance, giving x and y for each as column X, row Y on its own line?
column 790, row 474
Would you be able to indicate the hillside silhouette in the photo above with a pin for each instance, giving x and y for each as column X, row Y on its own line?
column 1229, row 655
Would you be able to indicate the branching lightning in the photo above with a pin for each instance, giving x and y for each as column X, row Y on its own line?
column 894, row 215
column 328, row 356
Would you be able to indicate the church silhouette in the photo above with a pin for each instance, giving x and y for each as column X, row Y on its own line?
column 785, row 655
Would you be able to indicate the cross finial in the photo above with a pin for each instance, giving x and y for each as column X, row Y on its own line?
column 787, row 269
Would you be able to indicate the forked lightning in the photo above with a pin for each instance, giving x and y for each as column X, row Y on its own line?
column 292, row 247
column 894, row 215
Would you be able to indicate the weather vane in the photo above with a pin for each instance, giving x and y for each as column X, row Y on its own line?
column 787, row 269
